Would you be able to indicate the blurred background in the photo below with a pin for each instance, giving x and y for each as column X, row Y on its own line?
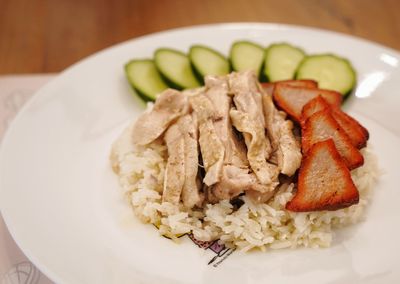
column 38, row 36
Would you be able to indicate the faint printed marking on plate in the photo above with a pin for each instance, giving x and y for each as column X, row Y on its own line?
column 22, row 273
column 220, row 250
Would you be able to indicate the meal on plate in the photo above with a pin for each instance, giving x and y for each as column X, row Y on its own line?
column 222, row 156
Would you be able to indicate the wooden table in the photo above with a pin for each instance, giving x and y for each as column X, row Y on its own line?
column 49, row 35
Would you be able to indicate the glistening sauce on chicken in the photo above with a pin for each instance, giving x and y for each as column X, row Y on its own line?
column 189, row 161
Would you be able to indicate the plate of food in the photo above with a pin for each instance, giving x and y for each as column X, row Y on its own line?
column 242, row 152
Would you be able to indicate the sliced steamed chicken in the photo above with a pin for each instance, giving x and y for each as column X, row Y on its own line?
column 169, row 106
column 191, row 195
column 181, row 174
column 248, row 118
column 219, row 143
column 280, row 131
column 212, row 149
column 174, row 177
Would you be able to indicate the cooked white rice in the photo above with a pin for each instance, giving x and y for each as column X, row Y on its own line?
column 263, row 226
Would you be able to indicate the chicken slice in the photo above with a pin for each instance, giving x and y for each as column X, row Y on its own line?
column 247, row 97
column 245, row 88
column 280, row 131
column 217, row 93
column 235, row 181
column 289, row 159
column 191, row 189
column 273, row 120
column 248, row 118
column 174, row 177
column 254, row 138
column 212, row 149
column 169, row 106
column 261, row 197
column 324, row 181
column 235, row 173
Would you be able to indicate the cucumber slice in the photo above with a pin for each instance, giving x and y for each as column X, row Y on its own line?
column 207, row 61
column 144, row 78
column 330, row 71
column 247, row 55
column 281, row 61
column 175, row 67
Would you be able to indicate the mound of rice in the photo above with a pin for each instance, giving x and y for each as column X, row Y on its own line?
column 262, row 226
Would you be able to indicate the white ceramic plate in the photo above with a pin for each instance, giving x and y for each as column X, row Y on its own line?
column 62, row 202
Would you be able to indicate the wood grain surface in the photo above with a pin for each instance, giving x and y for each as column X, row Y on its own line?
column 49, row 35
